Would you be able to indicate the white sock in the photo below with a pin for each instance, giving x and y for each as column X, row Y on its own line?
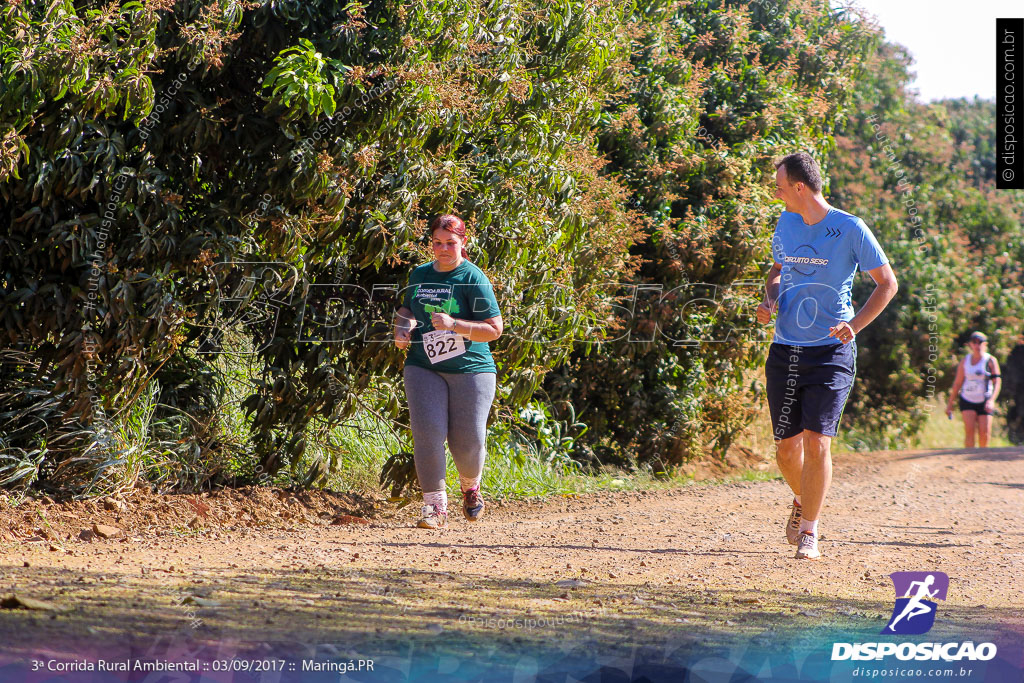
column 467, row 483
column 438, row 498
column 797, row 499
column 809, row 527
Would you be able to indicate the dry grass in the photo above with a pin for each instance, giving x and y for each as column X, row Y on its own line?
column 941, row 432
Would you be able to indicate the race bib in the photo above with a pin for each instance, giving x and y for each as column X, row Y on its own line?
column 972, row 385
column 441, row 345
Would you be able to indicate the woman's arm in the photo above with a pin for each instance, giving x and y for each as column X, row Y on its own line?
column 404, row 324
column 997, row 383
column 484, row 331
column 479, row 331
column 957, row 383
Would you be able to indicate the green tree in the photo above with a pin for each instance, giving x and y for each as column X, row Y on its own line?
column 719, row 91
column 920, row 176
column 270, row 176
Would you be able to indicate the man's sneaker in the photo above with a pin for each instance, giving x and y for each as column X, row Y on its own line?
column 808, row 548
column 472, row 504
column 793, row 525
column 432, row 518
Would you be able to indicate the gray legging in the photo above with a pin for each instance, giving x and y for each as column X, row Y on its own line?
column 448, row 406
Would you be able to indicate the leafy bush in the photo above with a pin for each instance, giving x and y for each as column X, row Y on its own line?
column 918, row 175
column 718, row 91
column 209, row 210
column 272, row 173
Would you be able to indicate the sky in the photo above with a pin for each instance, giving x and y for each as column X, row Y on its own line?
column 953, row 43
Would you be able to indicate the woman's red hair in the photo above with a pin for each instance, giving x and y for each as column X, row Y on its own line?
column 452, row 224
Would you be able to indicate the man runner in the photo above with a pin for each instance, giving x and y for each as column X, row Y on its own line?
column 817, row 250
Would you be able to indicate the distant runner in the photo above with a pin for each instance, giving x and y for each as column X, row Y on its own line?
column 977, row 385
column 812, row 361
column 448, row 318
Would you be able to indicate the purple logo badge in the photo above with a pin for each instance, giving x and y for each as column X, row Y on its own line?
column 914, row 612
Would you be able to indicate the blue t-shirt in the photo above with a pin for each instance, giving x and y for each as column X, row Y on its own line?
column 818, row 264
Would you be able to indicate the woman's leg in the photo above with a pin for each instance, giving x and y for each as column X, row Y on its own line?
column 984, row 430
column 427, row 393
column 469, row 402
column 970, row 421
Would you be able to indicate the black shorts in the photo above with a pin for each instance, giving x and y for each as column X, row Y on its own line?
column 808, row 386
column 979, row 408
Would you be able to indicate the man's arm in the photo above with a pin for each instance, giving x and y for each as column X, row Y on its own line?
column 885, row 289
column 771, row 284
column 771, row 294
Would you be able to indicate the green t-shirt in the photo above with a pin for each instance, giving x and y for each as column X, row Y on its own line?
column 463, row 293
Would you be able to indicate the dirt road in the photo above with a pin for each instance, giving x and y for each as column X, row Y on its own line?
column 705, row 564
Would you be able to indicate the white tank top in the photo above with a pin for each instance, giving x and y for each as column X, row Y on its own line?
column 977, row 387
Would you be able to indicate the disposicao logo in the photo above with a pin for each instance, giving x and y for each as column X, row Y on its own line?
column 914, row 614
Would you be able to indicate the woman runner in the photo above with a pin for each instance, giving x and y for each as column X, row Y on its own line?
column 977, row 385
column 448, row 317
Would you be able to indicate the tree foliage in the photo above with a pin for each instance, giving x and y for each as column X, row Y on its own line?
column 718, row 91
column 276, row 180
column 922, row 177
column 188, row 182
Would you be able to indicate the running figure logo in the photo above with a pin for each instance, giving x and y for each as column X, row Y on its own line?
column 914, row 613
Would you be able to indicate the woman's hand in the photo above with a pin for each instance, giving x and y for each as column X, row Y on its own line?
column 949, row 411
column 404, row 324
column 442, row 321
column 990, row 406
column 403, row 336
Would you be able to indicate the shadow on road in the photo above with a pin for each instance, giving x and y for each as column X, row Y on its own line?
column 727, row 552
column 378, row 612
column 995, row 454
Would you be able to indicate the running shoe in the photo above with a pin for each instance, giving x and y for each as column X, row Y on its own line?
column 472, row 504
column 808, row 548
column 432, row 518
column 793, row 525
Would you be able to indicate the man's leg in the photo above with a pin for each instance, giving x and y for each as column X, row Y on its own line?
column 782, row 387
column 828, row 386
column 970, row 423
column 984, row 430
column 789, row 454
column 816, row 476
column 814, row 482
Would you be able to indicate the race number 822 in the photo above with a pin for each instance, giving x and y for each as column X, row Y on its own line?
column 441, row 345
